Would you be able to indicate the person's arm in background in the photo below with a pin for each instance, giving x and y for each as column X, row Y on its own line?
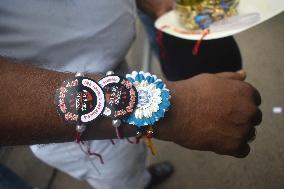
column 155, row 8
column 214, row 112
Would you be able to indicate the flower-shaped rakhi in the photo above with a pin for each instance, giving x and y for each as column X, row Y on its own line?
column 121, row 99
column 153, row 102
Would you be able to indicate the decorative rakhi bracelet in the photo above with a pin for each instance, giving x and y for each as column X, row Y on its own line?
column 140, row 99
column 121, row 99
column 153, row 102
column 79, row 101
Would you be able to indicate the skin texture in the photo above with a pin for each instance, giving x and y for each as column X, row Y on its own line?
column 214, row 112
column 27, row 110
column 211, row 112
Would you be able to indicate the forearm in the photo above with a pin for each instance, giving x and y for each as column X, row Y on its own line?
column 27, row 110
column 203, row 116
column 155, row 8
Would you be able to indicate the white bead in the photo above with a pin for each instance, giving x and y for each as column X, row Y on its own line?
column 116, row 123
column 79, row 74
column 80, row 128
column 110, row 73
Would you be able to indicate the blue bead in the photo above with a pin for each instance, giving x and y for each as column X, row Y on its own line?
column 147, row 121
column 165, row 94
column 164, row 105
column 148, row 78
column 152, row 120
column 131, row 118
column 152, row 80
column 130, row 79
column 137, row 78
column 139, row 122
column 141, row 77
column 160, row 84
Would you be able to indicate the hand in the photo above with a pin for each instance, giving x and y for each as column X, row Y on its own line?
column 213, row 112
column 155, row 8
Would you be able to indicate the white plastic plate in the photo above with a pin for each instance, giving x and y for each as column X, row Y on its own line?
column 251, row 13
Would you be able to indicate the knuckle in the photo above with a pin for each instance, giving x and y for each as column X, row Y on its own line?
column 251, row 112
column 238, row 145
column 257, row 117
column 206, row 75
column 249, row 89
column 253, row 94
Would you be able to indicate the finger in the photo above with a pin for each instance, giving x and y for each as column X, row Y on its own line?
column 255, row 94
column 257, row 97
column 243, row 151
column 252, row 134
column 257, row 118
column 240, row 75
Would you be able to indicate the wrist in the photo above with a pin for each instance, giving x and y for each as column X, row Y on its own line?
column 178, row 119
column 165, row 127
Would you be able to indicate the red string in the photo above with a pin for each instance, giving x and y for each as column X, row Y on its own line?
column 78, row 137
column 119, row 134
column 131, row 142
column 112, row 141
column 196, row 47
column 138, row 137
column 159, row 39
column 96, row 154
column 91, row 153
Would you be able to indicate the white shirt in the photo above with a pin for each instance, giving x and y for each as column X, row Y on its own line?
column 67, row 35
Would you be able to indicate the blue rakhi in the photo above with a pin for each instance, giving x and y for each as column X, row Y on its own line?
column 153, row 102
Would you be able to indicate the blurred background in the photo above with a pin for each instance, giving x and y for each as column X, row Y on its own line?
column 262, row 49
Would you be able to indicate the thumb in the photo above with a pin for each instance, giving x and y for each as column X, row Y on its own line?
column 239, row 75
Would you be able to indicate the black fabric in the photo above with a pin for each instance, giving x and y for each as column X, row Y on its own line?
column 178, row 63
column 9, row 180
column 159, row 173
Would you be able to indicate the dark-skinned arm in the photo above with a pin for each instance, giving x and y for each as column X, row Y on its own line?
column 27, row 110
column 210, row 112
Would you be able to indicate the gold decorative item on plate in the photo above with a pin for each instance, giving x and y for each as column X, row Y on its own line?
column 199, row 14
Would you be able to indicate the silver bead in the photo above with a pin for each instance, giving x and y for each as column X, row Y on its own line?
column 109, row 73
column 138, row 133
column 80, row 128
column 79, row 74
column 116, row 123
